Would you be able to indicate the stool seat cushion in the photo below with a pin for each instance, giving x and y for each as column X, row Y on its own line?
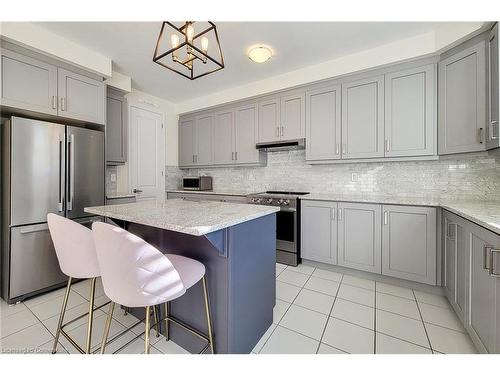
column 191, row 271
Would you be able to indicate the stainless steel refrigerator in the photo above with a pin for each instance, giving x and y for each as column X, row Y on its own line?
column 46, row 167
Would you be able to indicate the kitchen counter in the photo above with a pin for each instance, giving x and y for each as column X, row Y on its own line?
column 195, row 218
column 238, row 193
column 483, row 213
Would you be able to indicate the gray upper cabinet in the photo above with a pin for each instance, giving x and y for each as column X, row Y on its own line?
column 293, row 116
column 323, row 118
column 484, row 307
column 28, row 83
column 186, row 142
column 359, row 231
column 246, row 134
column 223, row 135
column 80, row 97
column 203, row 139
column 409, row 243
column 462, row 100
column 116, row 128
column 363, row 118
column 319, row 231
column 410, row 112
column 492, row 132
column 269, row 120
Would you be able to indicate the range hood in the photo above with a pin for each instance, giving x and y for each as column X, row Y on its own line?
column 297, row 144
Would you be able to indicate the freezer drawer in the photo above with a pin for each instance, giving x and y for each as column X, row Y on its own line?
column 85, row 170
column 33, row 261
column 37, row 170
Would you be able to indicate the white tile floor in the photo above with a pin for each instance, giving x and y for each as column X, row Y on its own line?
column 317, row 311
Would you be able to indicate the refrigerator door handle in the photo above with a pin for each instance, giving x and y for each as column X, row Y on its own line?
column 60, row 205
column 71, row 171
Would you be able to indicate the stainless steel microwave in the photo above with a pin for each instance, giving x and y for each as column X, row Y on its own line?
column 197, row 183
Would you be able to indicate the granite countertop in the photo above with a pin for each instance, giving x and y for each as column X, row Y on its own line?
column 240, row 193
column 483, row 213
column 119, row 195
column 195, row 218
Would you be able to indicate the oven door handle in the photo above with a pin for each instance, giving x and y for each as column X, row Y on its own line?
column 288, row 209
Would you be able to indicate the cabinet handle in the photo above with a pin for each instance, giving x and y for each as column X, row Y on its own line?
column 344, row 148
column 480, row 134
column 387, row 145
column 337, row 148
column 451, row 233
column 277, row 131
column 492, row 262
column 332, row 216
column 340, row 214
column 486, row 262
column 63, row 104
column 494, row 135
column 386, row 218
column 282, row 131
column 54, row 102
column 236, row 155
column 232, row 155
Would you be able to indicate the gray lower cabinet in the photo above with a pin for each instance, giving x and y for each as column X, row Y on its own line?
column 363, row 118
column 80, row 97
column 359, row 231
column 493, row 132
column 323, row 123
column 187, row 130
column 456, row 242
column 409, row 243
column 410, row 112
column 483, row 301
column 222, row 138
column 462, row 100
column 319, row 231
column 27, row 83
column 116, row 128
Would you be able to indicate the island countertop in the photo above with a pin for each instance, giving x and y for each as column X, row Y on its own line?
column 195, row 218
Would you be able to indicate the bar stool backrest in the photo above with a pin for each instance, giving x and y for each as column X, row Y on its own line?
column 134, row 273
column 74, row 247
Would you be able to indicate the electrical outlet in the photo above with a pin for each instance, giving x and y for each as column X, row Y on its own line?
column 113, row 177
column 354, row 177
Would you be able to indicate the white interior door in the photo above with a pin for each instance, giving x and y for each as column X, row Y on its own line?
column 147, row 153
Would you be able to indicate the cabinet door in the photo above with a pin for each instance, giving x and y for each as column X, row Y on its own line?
column 27, row 83
column 203, row 139
column 269, row 120
column 116, row 128
column 363, row 118
column 409, row 243
column 492, row 133
column 410, row 112
column 359, row 228
column 186, row 142
column 319, row 231
column 482, row 287
column 462, row 96
column 80, row 98
column 323, row 124
column 293, row 117
column 245, row 134
column 223, row 137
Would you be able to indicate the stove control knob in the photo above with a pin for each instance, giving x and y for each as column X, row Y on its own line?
column 269, row 200
column 281, row 201
column 286, row 203
column 258, row 200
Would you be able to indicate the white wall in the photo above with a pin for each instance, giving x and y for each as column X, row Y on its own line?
column 144, row 100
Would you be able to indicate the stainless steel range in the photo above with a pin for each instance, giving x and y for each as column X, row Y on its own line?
column 287, row 222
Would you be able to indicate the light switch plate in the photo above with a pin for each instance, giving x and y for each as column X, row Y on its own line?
column 354, row 177
column 113, row 177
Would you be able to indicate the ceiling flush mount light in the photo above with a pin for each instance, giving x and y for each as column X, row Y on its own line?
column 260, row 53
column 186, row 49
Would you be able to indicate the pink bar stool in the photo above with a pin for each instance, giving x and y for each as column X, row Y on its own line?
column 136, row 274
column 77, row 258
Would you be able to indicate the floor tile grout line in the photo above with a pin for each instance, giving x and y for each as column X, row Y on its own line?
column 401, row 339
column 423, row 323
column 331, row 346
column 329, row 314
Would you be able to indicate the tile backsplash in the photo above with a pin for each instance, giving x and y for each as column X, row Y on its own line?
column 465, row 176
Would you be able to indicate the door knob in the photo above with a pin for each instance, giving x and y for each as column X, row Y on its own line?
column 136, row 191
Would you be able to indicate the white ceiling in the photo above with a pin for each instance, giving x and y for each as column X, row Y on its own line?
column 296, row 44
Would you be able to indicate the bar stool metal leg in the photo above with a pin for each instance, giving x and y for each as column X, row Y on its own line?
column 167, row 321
column 61, row 316
column 106, row 327
column 91, row 315
column 155, row 316
column 209, row 318
column 147, row 328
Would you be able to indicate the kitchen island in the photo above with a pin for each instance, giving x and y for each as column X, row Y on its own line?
column 237, row 245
